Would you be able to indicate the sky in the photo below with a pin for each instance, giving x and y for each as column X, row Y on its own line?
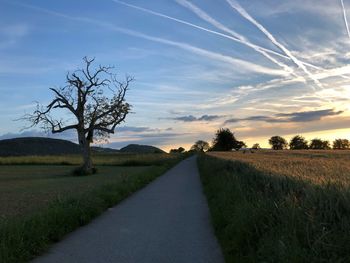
column 259, row 68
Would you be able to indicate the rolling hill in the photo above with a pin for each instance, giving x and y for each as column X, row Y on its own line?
column 137, row 148
column 46, row 146
column 37, row 146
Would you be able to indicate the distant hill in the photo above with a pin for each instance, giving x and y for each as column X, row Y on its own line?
column 97, row 149
column 46, row 146
column 137, row 148
column 37, row 146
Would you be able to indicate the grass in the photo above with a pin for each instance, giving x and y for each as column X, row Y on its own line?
column 279, row 206
column 99, row 159
column 40, row 204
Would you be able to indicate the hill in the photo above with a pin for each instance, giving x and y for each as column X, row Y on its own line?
column 137, row 148
column 37, row 146
column 98, row 149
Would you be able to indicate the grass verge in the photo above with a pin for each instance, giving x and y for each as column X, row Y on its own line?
column 265, row 217
column 99, row 159
column 23, row 238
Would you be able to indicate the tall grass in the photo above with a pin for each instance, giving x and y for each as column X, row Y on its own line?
column 261, row 216
column 24, row 237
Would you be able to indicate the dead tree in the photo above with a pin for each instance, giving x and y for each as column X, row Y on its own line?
column 95, row 102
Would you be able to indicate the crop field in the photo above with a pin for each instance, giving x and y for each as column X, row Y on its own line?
column 41, row 201
column 318, row 167
column 279, row 206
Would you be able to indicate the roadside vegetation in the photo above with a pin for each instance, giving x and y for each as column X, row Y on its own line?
column 98, row 158
column 41, row 203
column 279, row 206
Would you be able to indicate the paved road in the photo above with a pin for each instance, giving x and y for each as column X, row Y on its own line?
column 166, row 222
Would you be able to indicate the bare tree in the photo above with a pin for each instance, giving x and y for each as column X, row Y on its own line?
column 95, row 101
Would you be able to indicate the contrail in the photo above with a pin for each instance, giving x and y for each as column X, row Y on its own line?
column 209, row 31
column 236, row 6
column 195, row 26
column 193, row 49
column 345, row 18
column 206, row 17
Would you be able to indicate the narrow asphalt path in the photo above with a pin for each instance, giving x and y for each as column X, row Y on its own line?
column 166, row 222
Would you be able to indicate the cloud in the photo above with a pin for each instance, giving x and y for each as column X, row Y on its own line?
column 267, row 130
column 134, row 129
column 238, row 37
column 67, row 135
column 235, row 5
column 308, row 115
column 191, row 118
column 304, row 116
column 10, row 34
column 238, row 63
column 345, row 18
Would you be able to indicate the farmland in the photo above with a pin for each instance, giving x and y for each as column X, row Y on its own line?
column 279, row 206
column 41, row 200
column 318, row 167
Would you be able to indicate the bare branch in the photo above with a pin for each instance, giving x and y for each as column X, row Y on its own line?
column 95, row 114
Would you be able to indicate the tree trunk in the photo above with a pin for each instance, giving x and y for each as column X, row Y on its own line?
column 87, row 167
column 87, row 164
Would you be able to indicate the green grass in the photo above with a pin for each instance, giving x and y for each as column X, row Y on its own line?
column 40, row 204
column 98, row 159
column 260, row 216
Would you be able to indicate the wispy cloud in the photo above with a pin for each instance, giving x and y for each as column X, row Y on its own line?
column 206, row 17
column 232, row 34
column 345, row 17
column 191, row 118
column 236, row 6
column 11, row 34
column 304, row 116
column 242, row 64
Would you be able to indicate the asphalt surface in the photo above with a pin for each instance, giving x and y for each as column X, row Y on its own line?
column 165, row 222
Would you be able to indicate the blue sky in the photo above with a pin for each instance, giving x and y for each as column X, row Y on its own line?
column 260, row 68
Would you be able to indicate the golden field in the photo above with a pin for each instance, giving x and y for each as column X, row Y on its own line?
column 316, row 166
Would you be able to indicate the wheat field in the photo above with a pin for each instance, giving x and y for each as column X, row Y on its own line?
column 318, row 167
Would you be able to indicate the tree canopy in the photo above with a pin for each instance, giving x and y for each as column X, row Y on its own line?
column 298, row 143
column 341, row 144
column 178, row 150
column 319, row 144
column 278, row 143
column 200, row 146
column 226, row 141
column 256, row 146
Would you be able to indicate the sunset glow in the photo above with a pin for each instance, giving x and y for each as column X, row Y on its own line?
column 259, row 68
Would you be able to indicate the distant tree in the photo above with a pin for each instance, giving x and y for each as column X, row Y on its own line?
column 278, row 143
column 178, row 150
column 326, row 145
column 298, row 143
column 341, row 144
column 318, row 144
column 239, row 145
column 226, row 141
column 256, row 146
column 95, row 102
column 200, row 146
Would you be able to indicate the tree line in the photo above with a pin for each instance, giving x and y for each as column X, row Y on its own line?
column 225, row 140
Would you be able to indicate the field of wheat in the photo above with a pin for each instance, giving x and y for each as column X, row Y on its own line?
column 279, row 206
column 318, row 167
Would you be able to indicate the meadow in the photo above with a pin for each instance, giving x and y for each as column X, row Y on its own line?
column 41, row 201
column 279, row 206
